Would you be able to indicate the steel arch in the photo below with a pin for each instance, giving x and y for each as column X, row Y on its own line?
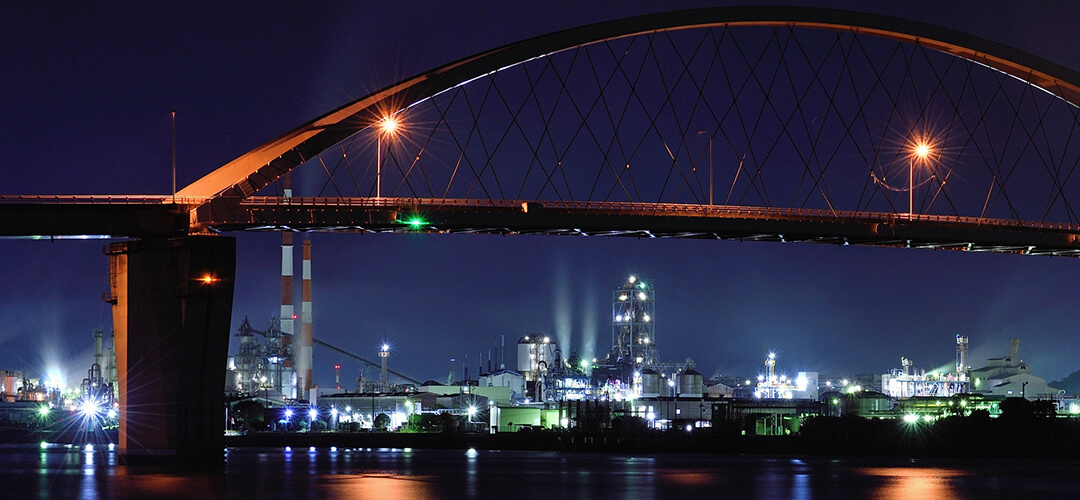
column 221, row 190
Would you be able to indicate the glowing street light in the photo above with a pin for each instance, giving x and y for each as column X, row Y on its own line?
column 920, row 150
column 387, row 126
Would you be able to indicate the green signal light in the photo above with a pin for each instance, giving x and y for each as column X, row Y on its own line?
column 415, row 222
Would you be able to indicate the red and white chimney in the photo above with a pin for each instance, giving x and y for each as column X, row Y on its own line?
column 303, row 360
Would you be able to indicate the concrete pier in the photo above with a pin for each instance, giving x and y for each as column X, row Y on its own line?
column 172, row 307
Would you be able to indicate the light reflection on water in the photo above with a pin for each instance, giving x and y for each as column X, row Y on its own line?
column 907, row 482
column 72, row 472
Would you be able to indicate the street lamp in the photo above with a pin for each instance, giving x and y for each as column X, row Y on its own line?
column 388, row 125
column 709, row 134
column 921, row 150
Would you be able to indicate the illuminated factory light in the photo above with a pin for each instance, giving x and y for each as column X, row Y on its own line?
column 385, row 348
column 646, row 318
column 910, row 418
column 633, row 279
column 641, row 295
column 43, row 411
column 90, row 407
column 313, row 413
column 623, row 297
column 288, row 413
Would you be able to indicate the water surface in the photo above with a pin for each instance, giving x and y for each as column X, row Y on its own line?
column 58, row 471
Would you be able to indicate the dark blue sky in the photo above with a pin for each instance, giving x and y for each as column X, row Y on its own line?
column 86, row 98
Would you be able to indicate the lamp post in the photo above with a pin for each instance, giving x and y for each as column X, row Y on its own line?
column 709, row 135
column 920, row 151
column 386, row 126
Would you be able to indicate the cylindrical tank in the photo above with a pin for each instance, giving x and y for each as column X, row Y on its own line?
column 534, row 350
column 650, row 384
column 10, row 384
column 690, row 384
column 525, row 363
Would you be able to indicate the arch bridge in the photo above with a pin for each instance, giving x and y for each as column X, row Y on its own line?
column 751, row 123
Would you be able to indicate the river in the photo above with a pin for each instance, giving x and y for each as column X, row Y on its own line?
column 59, row 471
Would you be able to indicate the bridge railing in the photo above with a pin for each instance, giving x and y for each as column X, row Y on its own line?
column 641, row 208
column 94, row 199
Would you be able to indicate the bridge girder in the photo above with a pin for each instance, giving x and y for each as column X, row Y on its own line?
column 658, row 221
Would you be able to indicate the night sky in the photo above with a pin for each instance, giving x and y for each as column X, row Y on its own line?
column 87, row 92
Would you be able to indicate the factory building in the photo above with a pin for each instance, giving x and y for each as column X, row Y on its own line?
column 908, row 382
column 513, row 381
column 772, row 385
column 1009, row 377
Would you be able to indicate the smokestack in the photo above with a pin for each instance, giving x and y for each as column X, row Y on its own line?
column 288, row 314
column 502, row 353
column 961, row 353
column 98, row 334
column 337, row 376
column 383, row 354
column 304, row 365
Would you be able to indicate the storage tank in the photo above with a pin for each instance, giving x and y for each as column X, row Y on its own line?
column 650, row 384
column 690, row 384
column 11, row 382
column 535, row 351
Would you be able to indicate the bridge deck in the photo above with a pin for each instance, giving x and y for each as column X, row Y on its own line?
column 155, row 215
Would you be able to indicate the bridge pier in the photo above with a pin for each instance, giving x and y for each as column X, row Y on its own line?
column 172, row 305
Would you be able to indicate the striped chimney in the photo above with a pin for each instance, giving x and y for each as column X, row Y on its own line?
column 304, row 362
column 287, row 311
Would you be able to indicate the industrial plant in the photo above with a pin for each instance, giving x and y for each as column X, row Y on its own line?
column 269, row 383
column 547, row 389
